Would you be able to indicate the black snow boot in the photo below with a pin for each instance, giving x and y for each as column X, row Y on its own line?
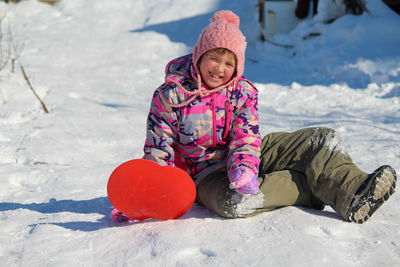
column 378, row 187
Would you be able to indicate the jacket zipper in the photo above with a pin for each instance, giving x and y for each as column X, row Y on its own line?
column 214, row 118
column 228, row 116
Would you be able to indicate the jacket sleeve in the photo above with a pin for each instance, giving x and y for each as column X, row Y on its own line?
column 244, row 147
column 161, row 132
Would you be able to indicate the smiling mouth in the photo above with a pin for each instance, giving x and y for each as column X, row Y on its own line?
column 215, row 76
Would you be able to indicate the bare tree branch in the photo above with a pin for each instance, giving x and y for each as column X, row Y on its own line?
column 16, row 49
column 3, row 62
column 4, row 58
column 33, row 90
column 16, row 52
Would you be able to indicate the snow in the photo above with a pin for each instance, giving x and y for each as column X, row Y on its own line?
column 96, row 63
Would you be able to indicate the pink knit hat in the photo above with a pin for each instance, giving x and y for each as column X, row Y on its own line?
column 223, row 32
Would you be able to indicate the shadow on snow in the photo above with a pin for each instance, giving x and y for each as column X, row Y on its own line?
column 178, row 31
column 271, row 70
column 99, row 205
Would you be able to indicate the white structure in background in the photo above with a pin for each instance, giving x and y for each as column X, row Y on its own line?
column 277, row 16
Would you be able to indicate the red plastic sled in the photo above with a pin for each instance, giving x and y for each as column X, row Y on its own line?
column 143, row 189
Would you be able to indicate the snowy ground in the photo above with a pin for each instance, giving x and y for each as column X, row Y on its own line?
column 96, row 63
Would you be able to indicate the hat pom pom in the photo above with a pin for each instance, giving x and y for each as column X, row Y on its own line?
column 227, row 15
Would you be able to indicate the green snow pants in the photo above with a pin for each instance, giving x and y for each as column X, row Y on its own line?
column 308, row 168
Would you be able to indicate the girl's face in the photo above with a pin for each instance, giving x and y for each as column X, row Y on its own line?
column 217, row 69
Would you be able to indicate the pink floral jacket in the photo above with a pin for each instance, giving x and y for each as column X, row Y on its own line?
column 202, row 133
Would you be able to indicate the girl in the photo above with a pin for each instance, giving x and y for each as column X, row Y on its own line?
column 204, row 120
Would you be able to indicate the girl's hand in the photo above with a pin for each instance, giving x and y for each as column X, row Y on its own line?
column 244, row 181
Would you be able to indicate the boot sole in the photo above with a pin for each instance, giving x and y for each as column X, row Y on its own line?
column 382, row 186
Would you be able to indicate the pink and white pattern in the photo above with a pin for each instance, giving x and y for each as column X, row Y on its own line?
column 201, row 133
